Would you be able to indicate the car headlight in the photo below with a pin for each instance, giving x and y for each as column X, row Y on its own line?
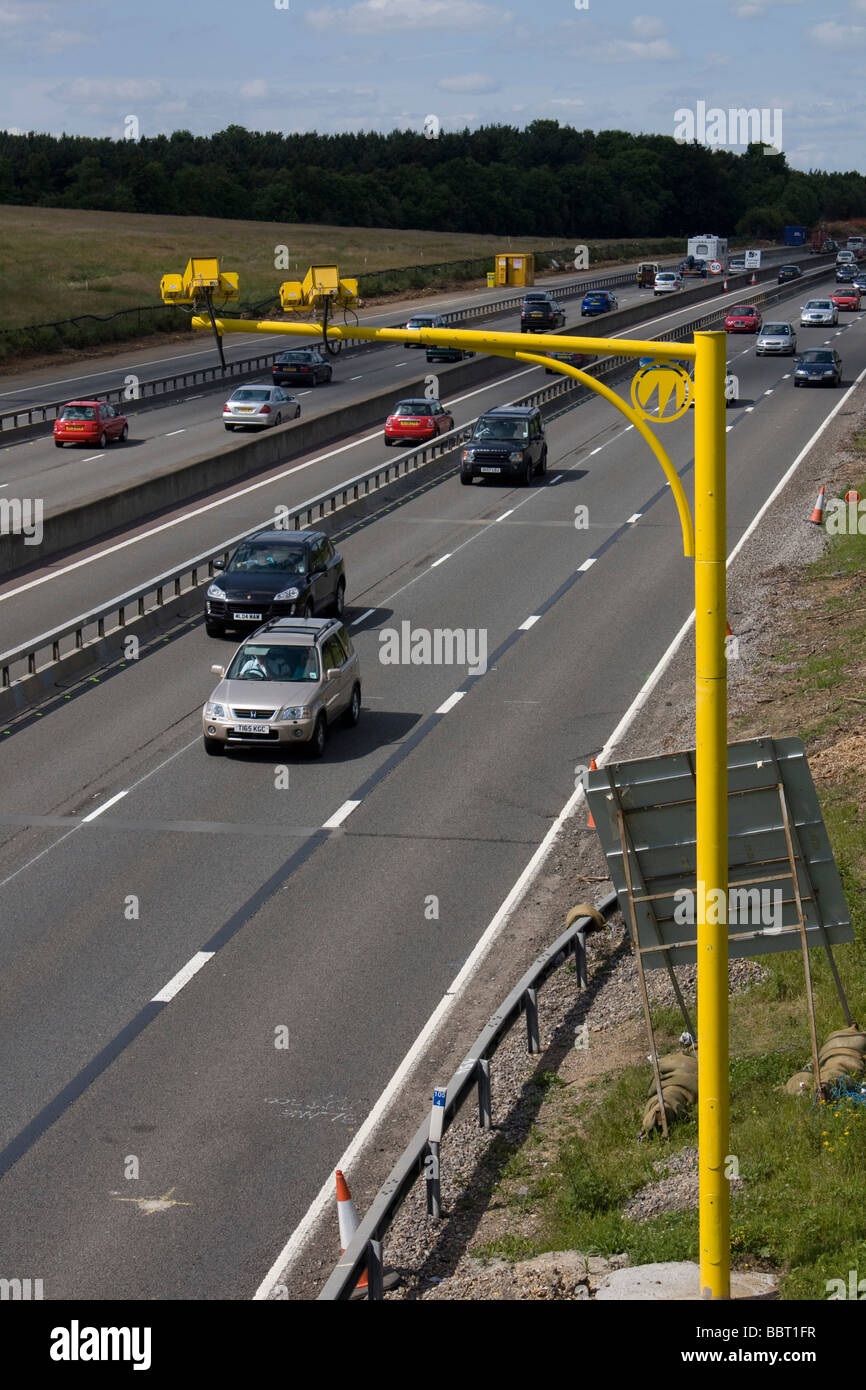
column 212, row 711
column 828, row 371
column 286, row 594
column 468, row 455
column 216, row 592
column 515, row 458
column 295, row 712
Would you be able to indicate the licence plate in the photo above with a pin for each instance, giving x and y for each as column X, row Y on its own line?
column 252, row 728
column 247, row 617
column 244, row 409
column 75, row 427
column 536, row 314
column 490, row 470
column 410, row 422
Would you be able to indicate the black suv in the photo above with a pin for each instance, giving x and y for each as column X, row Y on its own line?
column 508, row 440
column 276, row 574
column 539, row 311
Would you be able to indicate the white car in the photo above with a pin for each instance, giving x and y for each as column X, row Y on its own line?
column 258, row 406
column 821, row 311
column 666, row 281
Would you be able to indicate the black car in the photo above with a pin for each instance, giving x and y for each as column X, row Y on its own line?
column 846, row 274
column 507, row 441
column 539, row 311
column 788, row 272
column 276, row 574
column 859, row 280
column 447, row 354
column 572, row 359
column 819, row 367
column 301, row 365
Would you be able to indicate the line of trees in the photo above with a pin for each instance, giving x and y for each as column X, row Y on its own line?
column 544, row 180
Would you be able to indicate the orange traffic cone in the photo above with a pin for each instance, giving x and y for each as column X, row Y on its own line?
column 754, row 279
column 818, row 509
column 725, row 285
column 590, row 824
column 728, row 632
column 348, row 1220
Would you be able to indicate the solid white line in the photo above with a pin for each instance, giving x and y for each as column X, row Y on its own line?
column 183, row 977
column 587, row 564
column 231, row 499
column 336, row 820
column 441, row 560
column 451, row 702
column 368, row 613
column 636, row 516
column 324, row 1197
column 99, row 810
column 530, row 622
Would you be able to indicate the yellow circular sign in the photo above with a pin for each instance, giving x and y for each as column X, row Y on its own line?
column 662, row 392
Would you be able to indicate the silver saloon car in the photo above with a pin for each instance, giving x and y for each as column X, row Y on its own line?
column 819, row 311
column 776, row 338
column 259, row 405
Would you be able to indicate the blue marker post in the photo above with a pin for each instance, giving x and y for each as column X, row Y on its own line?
column 431, row 1162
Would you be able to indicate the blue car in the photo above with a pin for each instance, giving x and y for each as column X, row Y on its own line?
column 598, row 302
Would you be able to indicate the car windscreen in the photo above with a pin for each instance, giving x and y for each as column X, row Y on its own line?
column 742, row 309
column 421, row 323
column 819, row 304
column 248, row 394
column 78, row 412
column 412, row 408
column 776, row 329
column 666, row 275
column 260, row 661
column 295, row 357
column 816, row 356
column 501, row 429
column 266, row 559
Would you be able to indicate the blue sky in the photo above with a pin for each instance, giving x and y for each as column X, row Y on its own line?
column 84, row 66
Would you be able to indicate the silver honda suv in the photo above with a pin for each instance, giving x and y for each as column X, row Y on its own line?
column 288, row 683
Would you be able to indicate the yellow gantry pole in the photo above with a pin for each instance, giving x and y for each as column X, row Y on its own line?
column 711, row 732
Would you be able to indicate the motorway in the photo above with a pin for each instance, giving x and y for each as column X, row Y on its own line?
column 129, row 860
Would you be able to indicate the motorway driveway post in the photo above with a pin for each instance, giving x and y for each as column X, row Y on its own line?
column 711, row 741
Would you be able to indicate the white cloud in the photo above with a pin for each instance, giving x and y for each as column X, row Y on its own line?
column 385, row 16
column 253, row 91
column 101, row 91
column 833, row 35
column 631, row 51
column 566, row 101
column 753, row 9
column 646, row 26
column 468, row 82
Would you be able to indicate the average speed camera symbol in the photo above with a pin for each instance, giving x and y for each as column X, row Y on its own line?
column 662, row 392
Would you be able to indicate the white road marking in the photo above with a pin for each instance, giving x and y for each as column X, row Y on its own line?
column 636, row 516
column 336, row 820
column 530, row 622
column 451, row 702
column 355, row 378
column 442, row 559
column 587, row 564
column 505, row 514
column 91, row 457
column 99, row 810
column 183, row 977
column 172, row 432
column 368, row 614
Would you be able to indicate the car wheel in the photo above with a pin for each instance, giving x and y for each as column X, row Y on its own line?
column 527, row 474
column 58, row 443
column 387, row 442
column 798, row 383
column 353, row 713
column 542, row 463
column 465, row 478
column 279, row 419
column 103, row 440
column 320, row 738
column 213, row 746
column 230, row 428
column 124, row 434
column 339, row 600
column 308, row 608
column 214, row 629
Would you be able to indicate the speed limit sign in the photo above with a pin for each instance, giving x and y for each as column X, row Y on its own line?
column 715, row 268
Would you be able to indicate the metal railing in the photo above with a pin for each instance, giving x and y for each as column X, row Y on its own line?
column 365, row 1248
column 93, row 626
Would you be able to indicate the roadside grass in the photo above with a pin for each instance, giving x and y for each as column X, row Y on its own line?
column 800, row 1210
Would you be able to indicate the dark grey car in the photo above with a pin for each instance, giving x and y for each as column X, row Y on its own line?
column 276, row 574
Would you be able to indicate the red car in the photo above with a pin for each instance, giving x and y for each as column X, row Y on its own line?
column 89, row 422
column 743, row 318
column 417, row 421
column 846, row 297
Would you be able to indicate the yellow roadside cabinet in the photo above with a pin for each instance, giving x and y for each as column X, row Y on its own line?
column 515, row 268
